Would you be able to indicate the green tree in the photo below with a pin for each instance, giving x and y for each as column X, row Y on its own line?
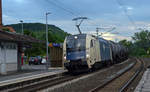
column 37, row 30
column 140, row 45
column 142, row 39
column 126, row 43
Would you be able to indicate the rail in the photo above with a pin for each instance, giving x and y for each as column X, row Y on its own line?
column 125, row 86
column 18, row 83
column 113, row 77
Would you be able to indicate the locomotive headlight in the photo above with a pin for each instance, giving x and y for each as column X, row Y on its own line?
column 65, row 58
column 76, row 37
column 87, row 56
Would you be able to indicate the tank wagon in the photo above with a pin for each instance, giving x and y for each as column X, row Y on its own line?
column 85, row 52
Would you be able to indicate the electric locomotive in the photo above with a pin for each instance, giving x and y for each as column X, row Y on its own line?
column 84, row 52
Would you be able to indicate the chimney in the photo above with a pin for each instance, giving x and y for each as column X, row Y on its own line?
column 1, row 20
column 1, row 24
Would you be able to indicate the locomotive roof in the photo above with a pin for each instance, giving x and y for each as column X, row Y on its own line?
column 103, row 40
column 78, row 35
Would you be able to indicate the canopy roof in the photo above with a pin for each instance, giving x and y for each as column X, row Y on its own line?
column 15, row 37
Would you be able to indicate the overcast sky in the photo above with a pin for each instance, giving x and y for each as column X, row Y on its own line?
column 126, row 15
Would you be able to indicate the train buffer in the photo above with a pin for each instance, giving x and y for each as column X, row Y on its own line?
column 10, row 81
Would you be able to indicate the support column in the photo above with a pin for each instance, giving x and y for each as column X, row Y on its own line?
column 19, row 58
column 3, row 63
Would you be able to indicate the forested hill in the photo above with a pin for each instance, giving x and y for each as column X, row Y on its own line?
column 33, row 27
column 38, row 30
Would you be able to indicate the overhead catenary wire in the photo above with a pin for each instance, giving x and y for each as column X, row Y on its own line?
column 68, row 10
column 60, row 7
column 71, row 12
column 77, row 13
column 126, row 13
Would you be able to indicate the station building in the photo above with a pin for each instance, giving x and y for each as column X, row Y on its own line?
column 11, row 47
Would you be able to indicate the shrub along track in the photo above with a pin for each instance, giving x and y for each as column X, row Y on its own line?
column 121, row 82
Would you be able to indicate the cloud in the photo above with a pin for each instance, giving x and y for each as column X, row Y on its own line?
column 66, row 25
column 124, row 30
column 86, row 27
column 19, row 1
column 111, row 36
column 9, row 20
column 100, row 15
column 115, row 37
column 126, row 7
column 129, row 8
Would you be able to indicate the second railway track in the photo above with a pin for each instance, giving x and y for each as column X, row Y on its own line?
column 120, row 82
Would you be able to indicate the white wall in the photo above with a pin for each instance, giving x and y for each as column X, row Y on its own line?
column 10, row 52
column 11, row 59
column 11, row 55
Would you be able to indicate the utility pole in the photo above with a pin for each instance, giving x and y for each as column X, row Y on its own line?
column 97, row 31
column 109, row 30
column 21, row 21
column 47, row 56
column 80, row 19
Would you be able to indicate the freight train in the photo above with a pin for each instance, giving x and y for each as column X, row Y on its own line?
column 84, row 52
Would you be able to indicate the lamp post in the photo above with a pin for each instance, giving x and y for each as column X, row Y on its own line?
column 21, row 63
column 47, row 57
column 21, row 21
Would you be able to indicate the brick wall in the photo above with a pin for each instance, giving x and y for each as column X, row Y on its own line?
column 0, row 13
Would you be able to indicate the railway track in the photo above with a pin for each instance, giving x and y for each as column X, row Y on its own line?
column 34, row 87
column 129, row 82
column 45, row 83
column 49, row 82
column 121, row 81
column 84, row 83
column 20, row 83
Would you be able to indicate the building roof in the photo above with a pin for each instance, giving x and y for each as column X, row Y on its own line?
column 15, row 37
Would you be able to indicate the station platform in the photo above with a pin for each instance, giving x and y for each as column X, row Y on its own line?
column 144, row 84
column 29, row 75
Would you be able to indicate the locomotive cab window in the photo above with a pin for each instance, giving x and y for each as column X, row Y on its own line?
column 91, row 45
column 75, row 44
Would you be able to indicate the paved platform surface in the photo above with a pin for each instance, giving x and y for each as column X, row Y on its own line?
column 27, row 75
column 144, row 84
